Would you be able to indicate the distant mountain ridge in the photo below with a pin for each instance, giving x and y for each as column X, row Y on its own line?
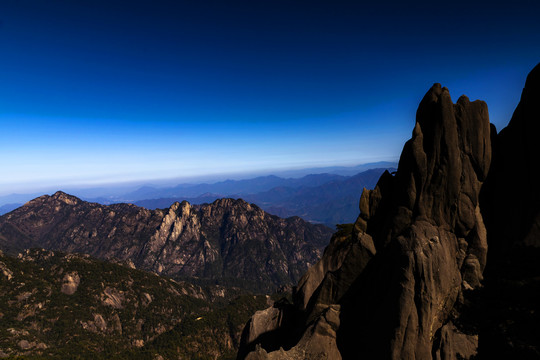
column 319, row 198
column 130, row 192
column 231, row 187
column 334, row 202
column 229, row 241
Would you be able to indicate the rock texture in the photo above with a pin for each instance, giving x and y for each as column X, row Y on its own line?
column 229, row 240
column 396, row 281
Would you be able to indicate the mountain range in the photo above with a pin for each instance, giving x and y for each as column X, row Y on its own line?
column 234, row 184
column 242, row 188
column 322, row 198
column 229, row 241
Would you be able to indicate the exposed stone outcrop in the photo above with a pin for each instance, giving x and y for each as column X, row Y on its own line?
column 318, row 341
column 113, row 297
column 5, row 270
column 70, row 283
column 417, row 247
column 229, row 240
column 453, row 344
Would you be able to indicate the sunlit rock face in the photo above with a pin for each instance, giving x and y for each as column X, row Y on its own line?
column 396, row 278
column 229, row 240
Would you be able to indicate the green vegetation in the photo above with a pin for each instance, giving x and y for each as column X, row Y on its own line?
column 115, row 312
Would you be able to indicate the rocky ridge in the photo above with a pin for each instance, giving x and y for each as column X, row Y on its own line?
column 406, row 282
column 230, row 241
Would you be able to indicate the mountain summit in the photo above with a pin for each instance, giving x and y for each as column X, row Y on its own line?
column 229, row 241
column 406, row 282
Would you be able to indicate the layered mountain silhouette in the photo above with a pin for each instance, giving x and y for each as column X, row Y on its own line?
column 321, row 198
column 413, row 279
column 229, row 241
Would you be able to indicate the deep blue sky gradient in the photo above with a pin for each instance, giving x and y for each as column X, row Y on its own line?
column 107, row 91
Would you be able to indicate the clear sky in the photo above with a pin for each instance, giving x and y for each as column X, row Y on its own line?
column 105, row 91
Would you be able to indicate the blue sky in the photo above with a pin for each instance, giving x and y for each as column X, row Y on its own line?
column 98, row 92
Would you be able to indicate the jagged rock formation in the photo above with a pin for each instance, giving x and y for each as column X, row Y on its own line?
column 229, row 240
column 419, row 245
column 109, row 311
column 413, row 279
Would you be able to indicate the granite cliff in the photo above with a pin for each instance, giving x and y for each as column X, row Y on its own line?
column 229, row 241
column 407, row 280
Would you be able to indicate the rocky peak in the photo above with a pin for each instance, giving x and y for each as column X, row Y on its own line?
column 441, row 168
column 417, row 247
column 56, row 198
column 66, row 198
column 408, row 279
column 229, row 240
column 230, row 206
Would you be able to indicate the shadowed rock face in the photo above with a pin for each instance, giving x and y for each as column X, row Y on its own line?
column 228, row 240
column 513, row 218
column 417, row 248
column 509, row 305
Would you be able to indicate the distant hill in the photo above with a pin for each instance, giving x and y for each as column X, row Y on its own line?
column 322, row 198
column 285, row 178
column 332, row 203
column 229, row 241
column 230, row 187
column 337, row 170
